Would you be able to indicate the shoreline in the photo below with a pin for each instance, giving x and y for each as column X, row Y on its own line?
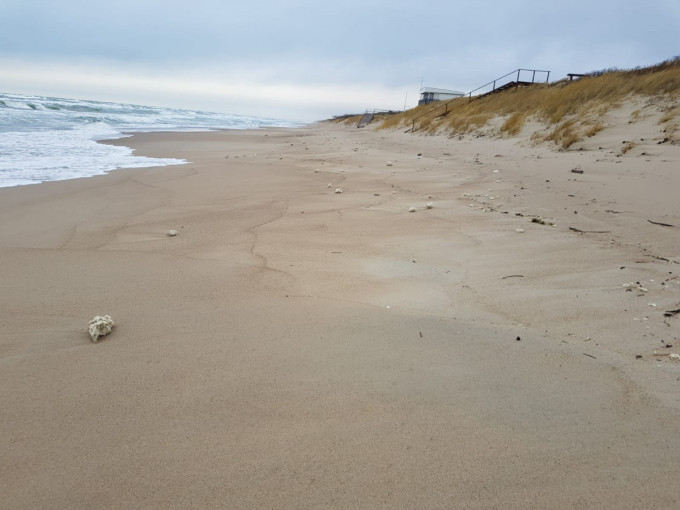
column 294, row 346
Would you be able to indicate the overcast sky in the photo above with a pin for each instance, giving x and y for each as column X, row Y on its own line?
column 308, row 60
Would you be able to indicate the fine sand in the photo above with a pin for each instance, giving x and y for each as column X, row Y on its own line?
column 294, row 347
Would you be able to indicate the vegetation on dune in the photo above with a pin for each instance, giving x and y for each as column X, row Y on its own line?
column 354, row 118
column 569, row 110
column 348, row 118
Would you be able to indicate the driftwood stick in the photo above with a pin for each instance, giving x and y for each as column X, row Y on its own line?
column 662, row 224
column 589, row 231
column 513, row 276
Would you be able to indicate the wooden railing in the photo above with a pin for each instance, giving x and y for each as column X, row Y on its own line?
column 517, row 81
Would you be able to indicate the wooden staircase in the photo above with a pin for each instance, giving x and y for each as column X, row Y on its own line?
column 514, row 79
column 366, row 119
column 507, row 86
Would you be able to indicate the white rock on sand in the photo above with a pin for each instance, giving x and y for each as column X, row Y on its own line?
column 100, row 326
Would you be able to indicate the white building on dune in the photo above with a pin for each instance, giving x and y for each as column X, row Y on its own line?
column 430, row 94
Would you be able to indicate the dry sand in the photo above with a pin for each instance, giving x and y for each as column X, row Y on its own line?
column 294, row 347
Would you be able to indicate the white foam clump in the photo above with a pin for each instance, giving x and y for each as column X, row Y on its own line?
column 100, row 326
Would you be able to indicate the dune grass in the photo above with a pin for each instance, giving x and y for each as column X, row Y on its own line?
column 569, row 110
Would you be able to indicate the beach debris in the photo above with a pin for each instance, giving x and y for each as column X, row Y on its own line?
column 429, row 205
column 100, row 326
column 518, row 339
column 513, row 276
column 674, row 356
column 577, row 170
column 634, row 285
column 542, row 221
column 671, row 313
column 338, row 190
column 330, row 184
column 389, row 163
column 589, row 355
column 171, row 233
column 589, row 231
column 519, row 230
column 411, row 209
column 638, row 356
column 661, row 224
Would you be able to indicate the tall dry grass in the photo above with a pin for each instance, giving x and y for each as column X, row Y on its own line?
column 570, row 110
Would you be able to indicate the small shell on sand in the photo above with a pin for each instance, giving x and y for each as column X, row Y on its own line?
column 389, row 163
column 338, row 190
column 100, row 326
column 411, row 209
column 519, row 230
column 430, row 205
column 171, row 233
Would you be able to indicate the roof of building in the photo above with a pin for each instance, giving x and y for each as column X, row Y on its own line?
column 441, row 91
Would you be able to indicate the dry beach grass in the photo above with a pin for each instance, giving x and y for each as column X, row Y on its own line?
column 293, row 347
column 571, row 110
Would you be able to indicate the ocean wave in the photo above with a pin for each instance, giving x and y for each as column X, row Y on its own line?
column 48, row 138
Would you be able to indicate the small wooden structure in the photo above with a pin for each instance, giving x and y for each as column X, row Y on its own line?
column 575, row 75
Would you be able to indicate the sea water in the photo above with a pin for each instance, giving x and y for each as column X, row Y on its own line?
column 50, row 139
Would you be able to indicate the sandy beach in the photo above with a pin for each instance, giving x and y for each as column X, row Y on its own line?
column 347, row 318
